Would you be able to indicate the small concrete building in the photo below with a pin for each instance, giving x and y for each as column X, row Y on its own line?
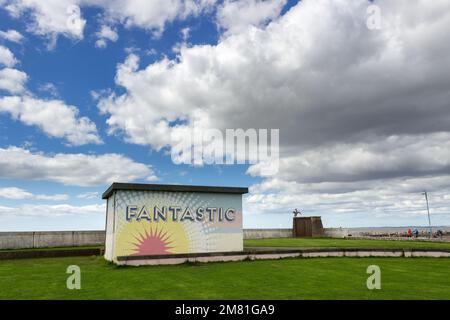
column 153, row 219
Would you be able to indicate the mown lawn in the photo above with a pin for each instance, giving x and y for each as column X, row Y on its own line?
column 316, row 278
column 305, row 243
column 345, row 243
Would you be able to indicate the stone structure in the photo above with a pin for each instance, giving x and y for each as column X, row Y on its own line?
column 307, row 227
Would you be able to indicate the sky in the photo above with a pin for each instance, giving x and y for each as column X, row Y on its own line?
column 91, row 92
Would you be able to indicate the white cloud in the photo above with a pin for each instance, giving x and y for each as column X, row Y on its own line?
column 392, row 157
column 89, row 195
column 50, row 18
column 7, row 58
column 15, row 193
column 64, row 17
column 352, row 105
column 363, row 184
column 12, row 80
column 151, row 15
column 49, row 88
column 71, row 169
column 101, row 43
column 20, row 194
column 394, row 202
column 185, row 33
column 43, row 113
column 276, row 77
column 235, row 16
column 12, row 35
column 59, row 210
column 54, row 197
column 106, row 33
column 152, row 178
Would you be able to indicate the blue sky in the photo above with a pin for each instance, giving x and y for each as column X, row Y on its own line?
column 351, row 147
column 75, row 68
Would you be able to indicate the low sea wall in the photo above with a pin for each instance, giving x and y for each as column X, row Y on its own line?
column 335, row 232
column 46, row 239
column 267, row 233
column 287, row 233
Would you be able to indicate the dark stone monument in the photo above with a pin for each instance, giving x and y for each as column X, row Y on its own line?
column 307, row 226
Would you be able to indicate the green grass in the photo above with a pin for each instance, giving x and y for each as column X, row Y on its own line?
column 317, row 278
column 345, row 243
column 304, row 243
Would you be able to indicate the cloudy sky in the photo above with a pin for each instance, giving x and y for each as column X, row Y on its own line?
column 91, row 91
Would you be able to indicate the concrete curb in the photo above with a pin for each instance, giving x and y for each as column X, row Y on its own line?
column 270, row 254
column 259, row 253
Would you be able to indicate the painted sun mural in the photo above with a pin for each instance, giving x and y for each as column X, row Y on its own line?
column 150, row 238
column 153, row 242
column 138, row 236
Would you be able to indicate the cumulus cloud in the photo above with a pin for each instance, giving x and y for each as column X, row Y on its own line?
column 392, row 157
column 21, row 194
column 71, row 169
column 64, row 17
column 12, row 80
column 106, row 33
column 277, row 72
column 7, row 58
column 393, row 202
column 352, row 104
column 49, row 18
column 274, row 77
column 49, row 88
column 235, row 16
column 44, row 113
column 152, row 15
column 59, row 210
column 89, row 195
column 11, row 35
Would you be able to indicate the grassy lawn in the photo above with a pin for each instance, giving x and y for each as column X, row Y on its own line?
column 303, row 243
column 345, row 243
column 318, row 278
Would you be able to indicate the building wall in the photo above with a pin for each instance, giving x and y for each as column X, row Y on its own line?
column 109, row 241
column 144, row 224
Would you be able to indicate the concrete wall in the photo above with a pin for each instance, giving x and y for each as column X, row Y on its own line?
column 287, row 233
column 267, row 233
column 335, row 232
column 16, row 240
column 24, row 240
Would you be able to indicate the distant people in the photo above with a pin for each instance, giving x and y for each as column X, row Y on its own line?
column 410, row 233
column 439, row 233
column 415, row 233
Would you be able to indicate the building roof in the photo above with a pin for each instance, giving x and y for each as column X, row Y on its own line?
column 171, row 187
